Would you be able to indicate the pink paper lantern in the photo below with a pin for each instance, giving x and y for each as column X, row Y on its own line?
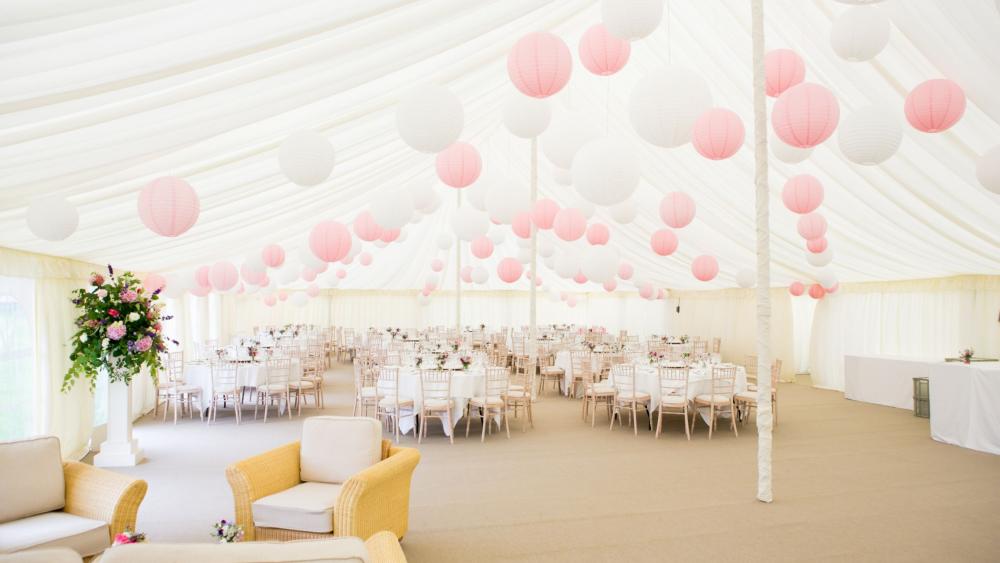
column 282, row 295
column 570, row 224
column 509, row 270
column 341, row 273
column 265, row 281
column 389, row 235
column 308, row 274
column 425, row 292
column 832, row 289
column 646, row 290
column 602, row 53
column 571, row 301
column 312, row 290
column 538, row 281
column 466, row 274
column 430, row 286
column 201, row 290
column 677, row 209
column 365, row 258
column 544, row 212
column 459, row 165
column 717, row 134
column 816, row 245
column 522, row 225
column 482, row 247
column 273, row 256
column 224, row 276
column 322, row 268
column 783, row 68
column 270, row 300
column 330, row 241
column 539, row 64
column 580, row 278
column 796, row 288
column 625, row 271
column 610, row 285
column 437, row 265
column 241, row 289
column 202, row 276
column 935, row 105
column 168, row 206
column 366, row 228
column 705, row 268
column 251, row 275
column 802, row 194
column 153, row 283
column 805, row 115
column 563, row 296
column 812, row 226
column 661, row 294
column 816, row 291
column 598, row 234
column 663, row 242
column 347, row 260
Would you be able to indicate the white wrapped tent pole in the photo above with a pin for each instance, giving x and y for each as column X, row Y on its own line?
column 533, row 331
column 764, row 415
column 458, row 271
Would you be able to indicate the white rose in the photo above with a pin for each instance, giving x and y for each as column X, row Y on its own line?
column 133, row 316
column 102, row 293
column 83, row 338
column 105, row 342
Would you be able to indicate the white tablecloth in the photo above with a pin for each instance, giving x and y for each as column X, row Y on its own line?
column 647, row 380
column 464, row 386
column 248, row 375
column 965, row 405
column 564, row 359
column 883, row 380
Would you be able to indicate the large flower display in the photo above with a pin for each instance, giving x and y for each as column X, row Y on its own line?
column 119, row 329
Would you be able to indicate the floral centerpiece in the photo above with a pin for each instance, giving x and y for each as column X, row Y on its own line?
column 966, row 355
column 118, row 329
column 466, row 361
column 227, row 532
column 128, row 536
column 684, row 339
column 655, row 357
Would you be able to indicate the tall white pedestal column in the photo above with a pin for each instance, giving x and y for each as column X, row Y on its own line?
column 120, row 449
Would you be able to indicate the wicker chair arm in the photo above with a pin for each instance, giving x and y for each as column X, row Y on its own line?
column 378, row 498
column 103, row 495
column 383, row 547
column 259, row 476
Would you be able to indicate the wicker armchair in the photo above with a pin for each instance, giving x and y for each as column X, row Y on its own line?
column 376, row 499
column 103, row 495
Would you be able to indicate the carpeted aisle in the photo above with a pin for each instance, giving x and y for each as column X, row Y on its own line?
column 852, row 482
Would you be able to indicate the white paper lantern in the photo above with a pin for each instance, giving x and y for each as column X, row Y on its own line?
column 444, row 241
column 416, row 218
column 172, row 287
column 497, row 236
column 566, row 265
column 423, row 300
column 787, row 153
column 624, row 213
column 421, row 194
column 526, row 117
column 480, row 275
column 430, row 118
column 299, row 299
column 524, row 255
column 506, row 198
column 600, row 263
column 870, row 135
column 546, row 248
column 562, row 176
column 631, row 19
column 820, row 259
column 306, row 158
column 432, row 280
column 523, row 242
column 567, row 134
column 403, row 235
column 826, row 278
column 665, row 103
column 331, row 280
column 988, row 168
column 289, row 273
column 550, row 262
column 606, row 171
column 309, row 259
column 746, row 278
column 469, row 223
column 860, row 33
column 475, row 195
column 52, row 218
column 434, row 204
column 392, row 208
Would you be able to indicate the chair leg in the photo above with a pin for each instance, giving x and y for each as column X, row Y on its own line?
column 686, row 429
column 267, row 403
column 635, row 420
column 486, row 414
column 659, row 422
column 711, row 420
column 468, row 419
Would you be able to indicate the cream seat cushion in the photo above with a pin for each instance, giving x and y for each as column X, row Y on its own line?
column 709, row 399
column 334, row 448
column 368, row 392
column 750, row 397
column 307, row 507
column 339, row 550
column 488, row 401
column 552, row 370
column 55, row 529
column 390, row 402
column 637, row 396
column 437, row 404
column 53, row 555
column 672, row 400
column 31, row 478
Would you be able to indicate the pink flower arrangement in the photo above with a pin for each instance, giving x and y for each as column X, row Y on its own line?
column 144, row 343
column 116, row 330
column 128, row 295
column 113, row 312
column 96, row 279
column 128, row 536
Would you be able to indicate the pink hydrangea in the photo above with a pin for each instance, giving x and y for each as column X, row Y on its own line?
column 116, row 330
column 128, row 295
column 144, row 344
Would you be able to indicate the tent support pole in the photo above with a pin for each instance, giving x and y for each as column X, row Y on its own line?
column 533, row 313
column 764, row 414
column 458, row 272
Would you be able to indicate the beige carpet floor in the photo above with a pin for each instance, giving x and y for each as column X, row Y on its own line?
column 852, row 482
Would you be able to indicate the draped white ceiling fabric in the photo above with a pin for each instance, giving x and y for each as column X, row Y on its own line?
column 98, row 97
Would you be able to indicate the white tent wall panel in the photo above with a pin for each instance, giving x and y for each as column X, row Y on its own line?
column 925, row 319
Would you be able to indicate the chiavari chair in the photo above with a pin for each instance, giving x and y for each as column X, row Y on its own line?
column 627, row 397
column 493, row 401
column 389, row 403
column 673, row 396
column 720, row 400
column 225, row 387
column 436, row 401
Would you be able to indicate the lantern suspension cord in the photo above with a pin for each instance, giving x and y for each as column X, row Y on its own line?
column 764, row 414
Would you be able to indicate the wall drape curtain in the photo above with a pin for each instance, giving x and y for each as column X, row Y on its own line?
column 924, row 319
column 731, row 314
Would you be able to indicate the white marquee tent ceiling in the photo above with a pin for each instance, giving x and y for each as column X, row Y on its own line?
column 98, row 97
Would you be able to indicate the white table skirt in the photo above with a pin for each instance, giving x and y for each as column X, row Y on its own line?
column 883, row 380
column 965, row 405
column 647, row 380
column 464, row 386
column 247, row 375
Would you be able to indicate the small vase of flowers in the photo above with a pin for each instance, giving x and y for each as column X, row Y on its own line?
column 466, row 361
column 227, row 532
column 655, row 357
column 966, row 355
column 129, row 536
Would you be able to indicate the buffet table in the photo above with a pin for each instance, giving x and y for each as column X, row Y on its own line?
column 965, row 405
column 883, row 380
